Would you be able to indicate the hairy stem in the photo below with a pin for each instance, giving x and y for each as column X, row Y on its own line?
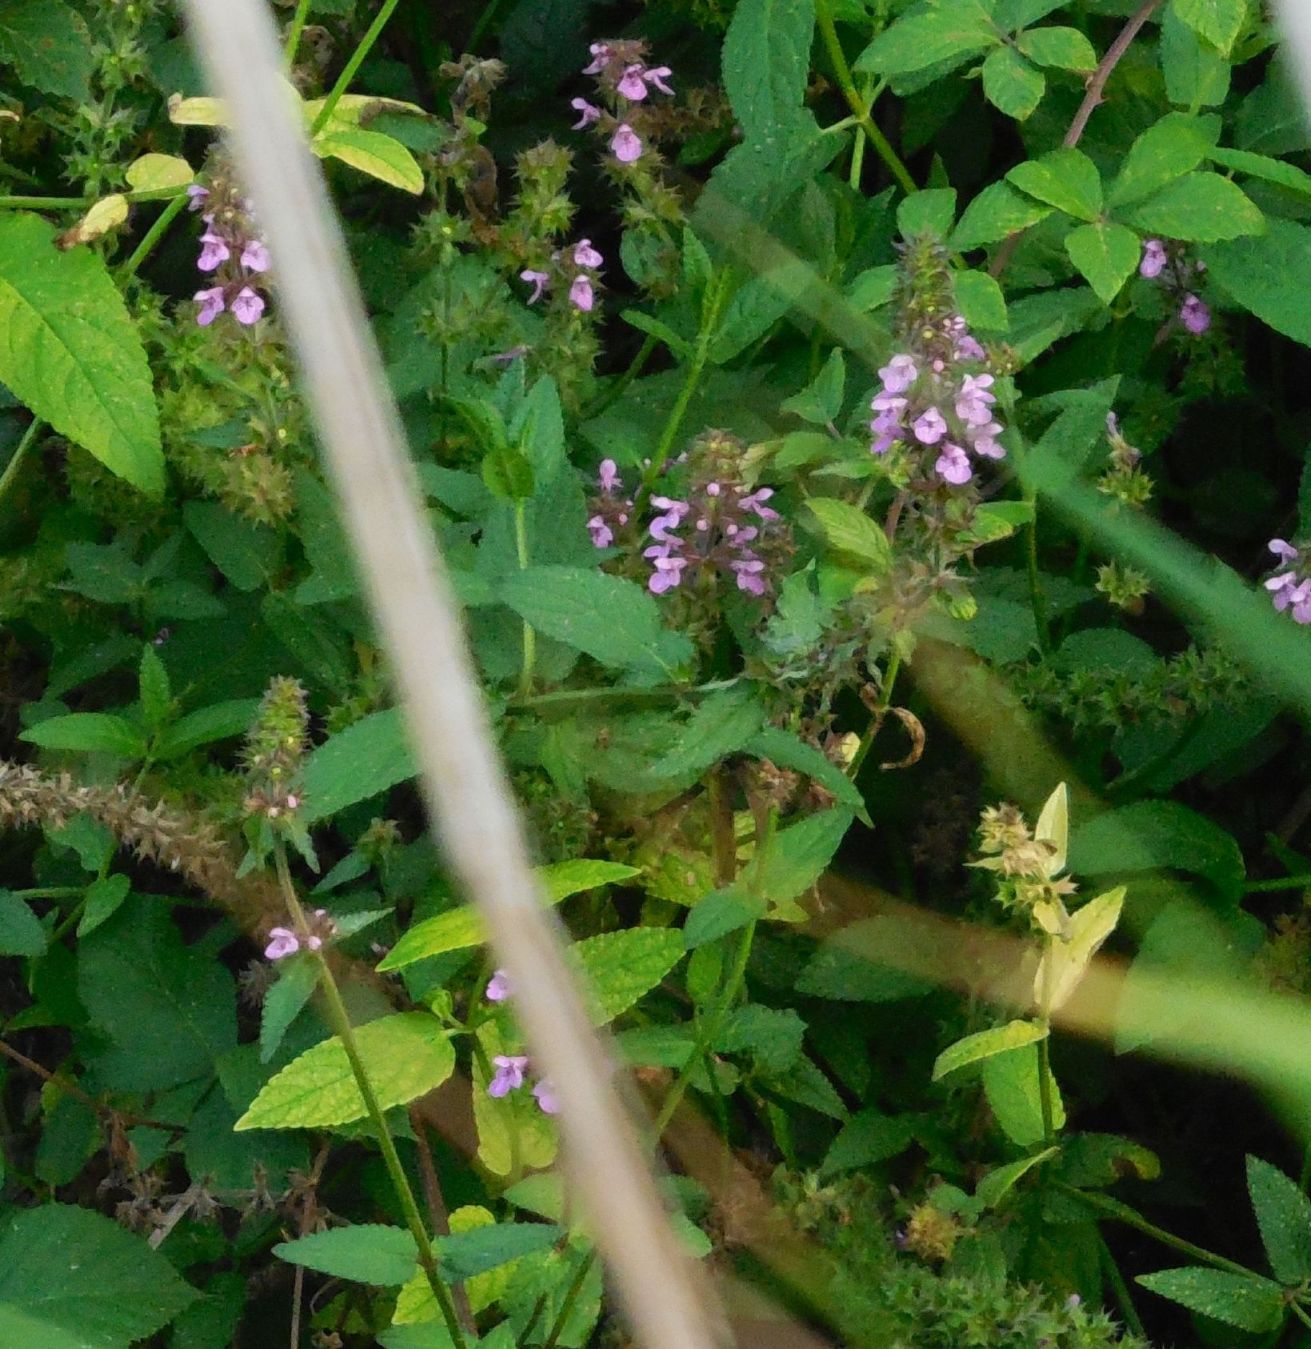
column 153, row 235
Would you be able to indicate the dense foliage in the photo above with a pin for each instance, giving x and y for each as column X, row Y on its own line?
column 867, row 439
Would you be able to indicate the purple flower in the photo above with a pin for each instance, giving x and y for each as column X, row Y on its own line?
column 283, row 942
column 248, row 306
column 509, row 354
column 953, row 465
column 538, row 280
column 587, row 113
column 600, row 56
column 755, row 503
column 930, row 427
column 608, row 475
column 498, row 987
column 509, row 1073
column 985, row 442
column 1154, row 259
column 581, row 295
column 1194, row 315
column 197, row 196
column 212, row 304
column 602, row 535
column 255, row 257
column 968, row 349
column 632, row 85
column 974, row 401
column 214, row 253
column 625, row 144
column 667, row 568
column 749, row 575
column 1283, row 550
column 585, row 255
column 546, row 1098
column 658, row 75
column 899, row 374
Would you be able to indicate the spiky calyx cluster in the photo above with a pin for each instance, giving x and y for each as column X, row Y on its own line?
column 275, row 751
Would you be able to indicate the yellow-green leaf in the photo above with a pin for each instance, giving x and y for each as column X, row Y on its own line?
column 152, row 172
column 196, row 111
column 1068, row 960
column 381, row 157
column 976, row 1048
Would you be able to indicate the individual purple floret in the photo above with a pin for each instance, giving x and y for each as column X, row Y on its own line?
column 587, row 113
column 1154, row 259
column 1290, row 588
column 1194, row 315
column 581, row 294
column 611, row 508
column 544, row 1093
column 538, row 280
column 509, row 1075
column 625, row 144
column 498, row 987
column 283, row 942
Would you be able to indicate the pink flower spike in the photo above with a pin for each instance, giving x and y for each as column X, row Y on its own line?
column 538, row 280
column 211, row 304
column 585, row 255
column 282, row 943
column 625, row 144
column 255, row 257
column 658, row 75
column 587, row 113
column 214, row 252
column 248, row 306
column 632, row 86
column 498, row 987
column 1154, row 259
column 930, row 427
column 509, row 1073
column 581, row 295
column 544, row 1094
column 953, row 465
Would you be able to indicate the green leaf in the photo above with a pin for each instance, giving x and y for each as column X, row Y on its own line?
column 1217, row 22
column 719, row 913
column 1270, row 276
column 72, row 1279
column 621, row 967
column 930, row 211
column 88, row 731
column 821, row 400
column 1080, row 429
column 849, row 531
column 381, row 157
column 766, row 62
column 1011, row 1084
column 72, row 354
column 1011, row 83
column 1283, row 1214
column 561, row 879
column 796, row 855
column 985, row 1044
column 1241, row 1300
column 1164, row 152
column 661, row 331
column 1070, row 957
column 847, row 966
column 952, row 31
column 219, row 721
column 1065, row 179
column 719, row 725
column 49, row 46
column 772, row 1036
column 1106, row 254
column 1196, row 75
column 1269, row 170
column 245, row 553
column 995, row 520
column 361, row 761
column 465, row 1255
column 364, row 1253
column 997, row 212
column 405, row 1055
column 867, row 1138
column 1201, row 207
column 981, row 302
column 616, row 622
column 1064, row 48
column 789, row 751
column 1000, row 1181
column 104, row 898
column 298, row 977
column 1148, row 835
column 21, row 933
column 153, row 686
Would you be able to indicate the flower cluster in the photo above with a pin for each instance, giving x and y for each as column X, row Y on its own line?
column 1124, row 478
column 230, row 253
column 1162, row 262
column 612, row 508
column 1290, row 587
column 723, row 523
column 625, row 82
column 1028, row 862
column 284, row 941
column 937, row 401
column 578, row 265
column 510, row 1074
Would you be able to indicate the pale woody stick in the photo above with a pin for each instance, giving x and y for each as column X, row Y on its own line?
column 417, row 620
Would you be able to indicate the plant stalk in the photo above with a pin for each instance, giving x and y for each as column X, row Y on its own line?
column 371, row 36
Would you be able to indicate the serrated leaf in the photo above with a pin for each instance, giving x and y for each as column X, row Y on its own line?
column 1068, row 959
column 981, row 302
column 997, row 212
column 219, row 721
column 1011, row 1085
column 72, row 354
column 1106, row 255
column 21, row 933
column 244, row 552
column 719, row 725
column 381, row 157
column 298, row 977
column 361, row 761
column 821, row 400
column 1201, row 207
column 661, row 331
column 1064, row 48
column 1276, row 171
column 1269, row 276
column 789, row 751
column 1011, row 84
column 1171, row 148
column 848, row 530
column 952, row 31
column 196, row 111
column 48, row 44
column 867, row 1138
column 1217, row 22
column 405, row 1055
column 766, row 62
column 1283, row 1214
column 1241, row 1300
column 930, row 211
column 983, row 1045
column 619, row 968
column 87, row 732
column 104, row 898
column 999, row 1182
column 717, row 914
column 1065, row 179
column 153, row 686
column 797, row 855
column 364, row 1252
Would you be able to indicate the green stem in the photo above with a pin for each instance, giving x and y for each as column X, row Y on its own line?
column 842, row 71
column 483, row 24
column 617, row 389
column 1037, row 600
column 1120, row 1288
column 82, row 203
column 353, row 65
column 153, row 235
column 1300, row 1314
column 339, row 1020
column 1044, row 1046
column 1113, row 1208
column 1280, row 883
column 571, row 1297
column 876, row 717
column 293, row 33
column 529, row 635
column 8, row 477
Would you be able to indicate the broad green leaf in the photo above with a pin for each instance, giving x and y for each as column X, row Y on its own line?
column 459, row 928
column 1217, row 22
column 1283, row 1214
column 873, row 288
column 981, row 302
column 1011, row 1084
column 1068, row 959
column 995, row 520
column 1053, row 827
column 1078, row 431
column 862, row 963
column 998, row 211
column 364, row 1252
column 21, row 933
column 867, row 1138
column 1011, row 83
column 952, row 31
column 1241, row 1300
column 661, row 331
column 821, row 400
column 405, row 1055
column 619, row 968
column 928, row 212
column 616, row 622
column 196, row 111
column 245, row 553
column 772, row 1036
column 1065, row 179
column 1270, row 276
column 104, row 898
column 1064, row 48
column 796, row 855
column 298, row 976
column 789, row 751
column 72, row 354
column 1196, row 75
column 1174, row 146
column 1201, row 207
column 1014, row 14
column 719, row 725
column 88, row 731
column 381, row 157
column 848, row 530
column 153, row 171
column 1269, row 170
column 49, row 46
column 219, row 721
column 986, row 1043
column 766, row 62
column 361, row 761
column 73, row 1279
column 999, row 1182
column 719, row 913
column 153, row 688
